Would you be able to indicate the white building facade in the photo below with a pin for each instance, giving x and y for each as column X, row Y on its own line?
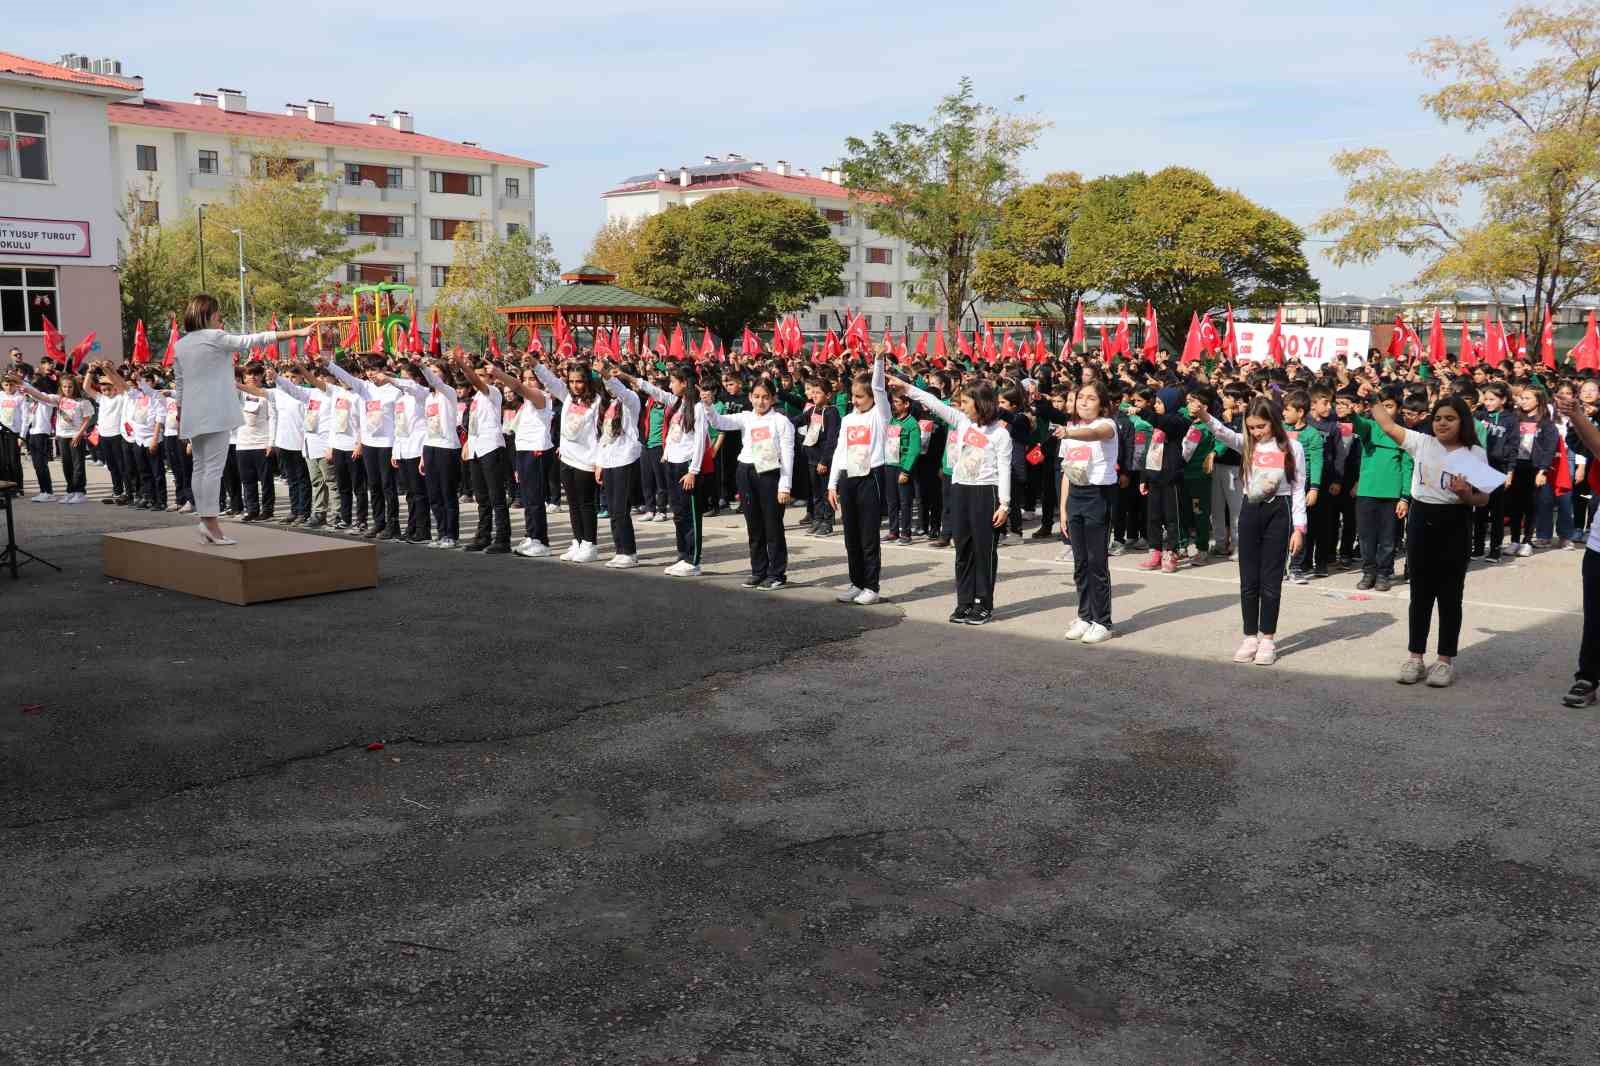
column 407, row 192
column 876, row 276
column 58, row 220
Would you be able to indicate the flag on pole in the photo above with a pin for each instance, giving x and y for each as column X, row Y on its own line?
column 1120, row 340
column 172, row 343
column 1209, row 341
column 1436, row 352
column 1586, row 355
column 1494, row 343
column 436, row 339
column 1077, row 326
column 1275, row 338
column 1230, row 343
column 272, row 327
column 749, row 344
column 1467, row 354
column 1105, row 346
column 352, row 337
column 940, row 351
column 964, row 348
column 80, row 351
column 675, row 348
column 413, row 335
column 1547, row 341
column 141, row 344
column 1191, row 343
column 54, row 342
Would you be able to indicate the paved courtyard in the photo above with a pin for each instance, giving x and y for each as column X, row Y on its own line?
column 618, row 818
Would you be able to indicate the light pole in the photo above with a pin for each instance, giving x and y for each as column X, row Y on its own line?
column 243, row 325
column 200, row 212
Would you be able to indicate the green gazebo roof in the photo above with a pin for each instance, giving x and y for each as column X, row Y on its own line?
column 589, row 295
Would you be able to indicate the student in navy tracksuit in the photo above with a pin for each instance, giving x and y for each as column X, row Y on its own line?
column 817, row 431
column 1497, row 431
column 1537, row 442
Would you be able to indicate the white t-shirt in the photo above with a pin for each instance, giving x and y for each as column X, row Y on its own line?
column 978, row 455
column 1428, row 478
column 533, row 427
column 11, row 411
column 110, row 416
column 1091, row 462
column 71, row 413
column 483, row 425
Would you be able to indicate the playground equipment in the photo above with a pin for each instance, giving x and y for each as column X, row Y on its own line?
column 380, row 325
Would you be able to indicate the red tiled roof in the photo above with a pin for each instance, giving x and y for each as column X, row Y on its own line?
column 11, row 63
column 749, row 179
column 201, row 118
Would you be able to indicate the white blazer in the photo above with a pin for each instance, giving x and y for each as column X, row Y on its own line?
column 208, row 400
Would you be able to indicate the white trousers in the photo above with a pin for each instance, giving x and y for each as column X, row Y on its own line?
column 210, row 457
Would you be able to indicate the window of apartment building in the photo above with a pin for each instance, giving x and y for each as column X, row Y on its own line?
column 438, row 276
column 394, row 178
column 444, row 229
column 822, row 322
column 866, row 320
column 279, row 167
column 24, row 151
column 837, row 215
column 933, row 323
column 879, row 290
column 208, row 161
column 376, row 226
column 371, row 273
column 849, row 252
column 458, row 184
column 514, row 188
column 880, row 255
column 514, row 228
column 28, row 296
column 149, row 213
column 144, row 156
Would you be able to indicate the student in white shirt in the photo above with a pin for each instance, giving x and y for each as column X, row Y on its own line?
column 341, row 423
column 533, row 447
column 307, row 390
column 686, row 455
column 11, row 400
column 255, row 446
column 1089, row 507
column 410, row 438
column 581, row 407
column 616, row 465
column 73, row 414
column 1438, row 531
column 39, row 431
column 765, row 476
column 979, row 447
column 854, row 487
column 108, row 421
column 486, row 451
column 178, row 459
column 378, row 396
column 1272, row 520
column 441, row 456
column 288, row 436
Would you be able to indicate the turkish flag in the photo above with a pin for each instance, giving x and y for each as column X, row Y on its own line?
column 1191, row 343
column 172, row 343
column 1230, row 343
column 675, row 347
column 141, row 344
column 1077, row 325
column 414, row 335
column 1105, row 346
column 1468, row 352
column 1547, row 341
column 1209, row 341
column 436, row 339
column 940, row 351
column 54, row 343
column 1436, row 352
column 1586, row 356
column 1121, row 339
column 1275, row 338
column 80, row 350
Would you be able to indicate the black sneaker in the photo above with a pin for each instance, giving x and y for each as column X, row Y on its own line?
column 1043, row 533
column 1319, row 572
column 825, row 530
column 960, row 614
column 1581, row 694
column 385, row 534
column 752, row 582
column 110, row 501
column 905, row 538
column 1384, row 584
column 1476, row 553
column 418, row 538
column 940, row 541
column 475, row 546
column 774, row 584
column 497, row 548
column 342, row 526
column 251, row 516
column 1366, row 582
column 979, row 616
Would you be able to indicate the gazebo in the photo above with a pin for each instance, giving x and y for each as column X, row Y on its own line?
column 587, row 299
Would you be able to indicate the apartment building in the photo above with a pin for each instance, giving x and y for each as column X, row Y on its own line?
column 876, row 273
column 408, row 192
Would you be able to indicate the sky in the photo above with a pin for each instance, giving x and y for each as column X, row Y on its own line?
column 1257, row 95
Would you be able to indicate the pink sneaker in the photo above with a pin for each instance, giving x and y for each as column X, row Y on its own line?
column 1153, row 562
column 1247, row 650
column 1266, row 652
column 1169, row 562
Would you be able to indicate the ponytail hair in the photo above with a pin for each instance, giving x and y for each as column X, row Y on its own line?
column 691, row 395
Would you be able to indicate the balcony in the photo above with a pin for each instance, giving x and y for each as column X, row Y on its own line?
column 209, row 179
column 515, row 203
column 406, row 245
column 372, row 193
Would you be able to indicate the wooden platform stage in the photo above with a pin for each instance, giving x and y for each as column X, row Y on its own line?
column 267, row 564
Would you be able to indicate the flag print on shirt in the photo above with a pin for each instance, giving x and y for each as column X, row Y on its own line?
column 973, row 445
column 435, row 423
column 313, row 414
column 341, row 415
column 764, row 450
column 891, row 444
column 374, row 416
column 1266, row 474
column 1076, row 463
column 858, row 450
column 572, row 417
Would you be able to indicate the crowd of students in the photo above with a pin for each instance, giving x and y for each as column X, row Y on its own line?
column 1294, row 472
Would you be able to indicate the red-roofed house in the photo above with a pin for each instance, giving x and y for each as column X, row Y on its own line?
column 874, row 278
column 58, row 220
column 407, row 191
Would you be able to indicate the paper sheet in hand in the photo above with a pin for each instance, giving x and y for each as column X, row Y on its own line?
column 1465, row 463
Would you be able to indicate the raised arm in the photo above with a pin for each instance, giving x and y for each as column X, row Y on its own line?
column 1587, row 431
column 935, row 406
column 1226, row 434
column 655, row 392
column 626, row 396
column 552, row 384
column 438, row 383
column 243, row 342
column 290, row 389
column 473, row 378
column 1385, row 421
column 538, row 397
column 349, row 380
column 41, row 397
column 727, row 423
column 879, row 394
column 785, row 454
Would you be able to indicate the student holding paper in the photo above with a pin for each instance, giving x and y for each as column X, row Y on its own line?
column 1444, row 469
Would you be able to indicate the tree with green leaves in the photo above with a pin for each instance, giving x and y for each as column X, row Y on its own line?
column 737, row 259
column 155, row 268
column 489, row 274
column 1533, row 185
column 616, row 245
column 1177, row 241
column 1031, row 258
column 940, row 188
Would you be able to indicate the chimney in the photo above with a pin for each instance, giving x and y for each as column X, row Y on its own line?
column 683, row 177
column 803, row 172
column 231, row 101
column 836, row 175
column 661, row 175
column 295, row 110
column 321, row 110
column 735, row 157
column 782, row 168
column 712, row 159
column 377, row 120
column 205, row 99
column 401, row 120
column 758, row 168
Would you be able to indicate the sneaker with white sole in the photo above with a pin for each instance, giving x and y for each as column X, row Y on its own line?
column 448, row 543
column 523, row 543
column 685, row 570
column 1246, row 652
column 865, row 598
column 1065, row 554
column 45, row 497
column 1077, row 629
column 1440, row 675
column 622, row 562
column 848, row 594
column 572, row 550
column 1097, row 634
column 531, row 549
column 1266, row 652
column 1412, row 671
column 1523, row 550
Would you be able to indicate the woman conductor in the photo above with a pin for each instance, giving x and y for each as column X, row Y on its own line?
column 208, row 400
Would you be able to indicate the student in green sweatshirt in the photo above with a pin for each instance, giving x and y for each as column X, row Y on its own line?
column 902, row 446
column 1296, row 409
column 1381, row 493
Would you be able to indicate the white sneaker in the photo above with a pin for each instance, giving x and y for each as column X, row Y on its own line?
column 587, row 553
column 45, row 497
column 663, row 516
column 1097, row 633
column 1524, row 549
column 683, row 568
column 433, row 543
column 521, row 544
column 1065, row 554
column 530, row 549
column 550, row 508
column 1077, row 629
column 572, row 550
column 865, row 598
column 623, row 562
column 446, row 543
column 848, row 594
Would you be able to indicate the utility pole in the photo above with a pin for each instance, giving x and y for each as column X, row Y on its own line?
column 200, row 211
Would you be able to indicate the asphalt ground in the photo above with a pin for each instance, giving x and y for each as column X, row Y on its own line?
column 621, row 818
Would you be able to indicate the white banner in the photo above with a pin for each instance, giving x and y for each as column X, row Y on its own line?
column 43, row 236
column 1311, row 346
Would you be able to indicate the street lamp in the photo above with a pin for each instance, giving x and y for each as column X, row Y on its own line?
column 243, row 326
column 201, row 213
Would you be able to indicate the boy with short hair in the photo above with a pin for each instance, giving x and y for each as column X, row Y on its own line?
column 1381, row 495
